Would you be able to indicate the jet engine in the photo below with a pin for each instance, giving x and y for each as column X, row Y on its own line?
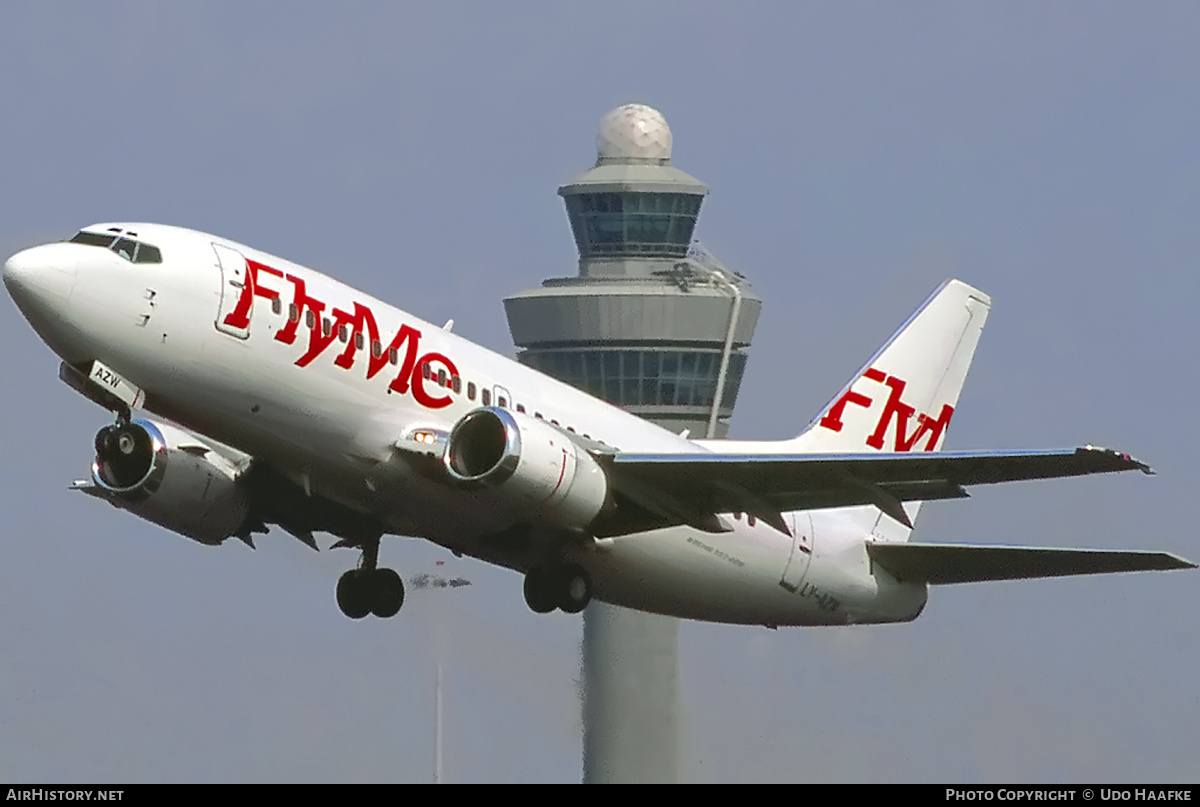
column 165, row 475
column 528, row 461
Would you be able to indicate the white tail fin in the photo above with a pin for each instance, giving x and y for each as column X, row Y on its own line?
column 904, row 396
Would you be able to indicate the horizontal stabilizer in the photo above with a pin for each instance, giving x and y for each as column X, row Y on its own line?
column 941, row 564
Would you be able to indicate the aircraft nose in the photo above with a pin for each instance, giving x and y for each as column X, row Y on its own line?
column 40, row 279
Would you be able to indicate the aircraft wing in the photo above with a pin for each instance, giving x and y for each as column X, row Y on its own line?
column 693, row 488
column 940, row 564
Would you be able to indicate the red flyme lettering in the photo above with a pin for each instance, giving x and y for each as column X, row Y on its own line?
column 935, row 428
column 254, row 268
column 300, row 302
column 896, row 409
column 833, row 418
column 308, row 309
column 409, row 336
column 320, row 338
column 240, row 316
column 418, row 381
column 362, row 322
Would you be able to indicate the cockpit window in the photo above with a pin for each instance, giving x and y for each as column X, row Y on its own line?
column 93, row 239
column 127, row 248
column 147, row 254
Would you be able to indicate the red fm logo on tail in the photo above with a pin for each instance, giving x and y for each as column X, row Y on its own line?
column 893, row 410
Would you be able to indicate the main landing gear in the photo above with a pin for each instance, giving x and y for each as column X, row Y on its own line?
column 565, row 586
column 370, row 589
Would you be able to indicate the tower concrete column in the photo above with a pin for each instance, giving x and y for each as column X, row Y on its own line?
column 655, row 324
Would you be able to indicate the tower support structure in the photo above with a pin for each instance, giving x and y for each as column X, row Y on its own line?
column 655, row 324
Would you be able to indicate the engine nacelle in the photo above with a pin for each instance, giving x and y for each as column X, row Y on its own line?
column 529, row 461
column 165, row 475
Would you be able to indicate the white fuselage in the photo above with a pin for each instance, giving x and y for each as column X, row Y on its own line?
column 324, row 383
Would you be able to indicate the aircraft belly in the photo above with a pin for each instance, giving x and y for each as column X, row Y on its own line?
column 738, row 577
column 695, row 575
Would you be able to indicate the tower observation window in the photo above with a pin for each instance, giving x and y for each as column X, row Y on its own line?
column 643, row 377
column 633, row 224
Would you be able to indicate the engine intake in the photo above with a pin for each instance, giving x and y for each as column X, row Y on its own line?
column 529, row 461
column 165, row 475
column 127, row 456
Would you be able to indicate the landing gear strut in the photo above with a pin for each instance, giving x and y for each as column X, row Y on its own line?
column 370, row 589
column 566, row 586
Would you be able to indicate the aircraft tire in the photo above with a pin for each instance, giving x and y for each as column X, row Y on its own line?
column 354, row 593
column 539, row 590
column 387, row 593
column 574, row 589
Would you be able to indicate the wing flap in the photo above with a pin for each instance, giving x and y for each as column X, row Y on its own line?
column 684, row 488
column 943, row 564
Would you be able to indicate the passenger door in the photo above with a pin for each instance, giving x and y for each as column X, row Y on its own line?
column 234, row 278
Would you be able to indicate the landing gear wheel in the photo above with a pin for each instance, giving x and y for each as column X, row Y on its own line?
column 387, row 593
column 370, row 591
column 540, row 590
column 354, row 593
column 574, row 589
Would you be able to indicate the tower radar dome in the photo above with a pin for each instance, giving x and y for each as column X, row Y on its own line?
column 633, row 131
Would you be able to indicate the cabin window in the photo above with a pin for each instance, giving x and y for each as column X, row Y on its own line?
column 471, row 390
column 376, row 348
column 393, row 356
column 750, row 519
column 310, row 318
column 360, row 341
column 276, row 306
column 343, row 333
column 501, row 402
column 441, row 377
column 326, row 326
column 456, row 384
column 521, row 408
column 426, row 371
column 293, row 313
column 538, row 415
column 486, row 397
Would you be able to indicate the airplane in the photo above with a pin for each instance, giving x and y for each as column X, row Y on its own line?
column 248, row 391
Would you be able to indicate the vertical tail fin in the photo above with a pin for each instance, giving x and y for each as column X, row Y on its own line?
column 902, row 399
column 904, row 396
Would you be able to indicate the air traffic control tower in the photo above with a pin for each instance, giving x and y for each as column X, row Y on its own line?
column 651, row 323
column 655, row 324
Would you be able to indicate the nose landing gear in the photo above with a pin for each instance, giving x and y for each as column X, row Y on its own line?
column 370, row 589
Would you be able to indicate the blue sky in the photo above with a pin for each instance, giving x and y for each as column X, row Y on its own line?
column 857, row 154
